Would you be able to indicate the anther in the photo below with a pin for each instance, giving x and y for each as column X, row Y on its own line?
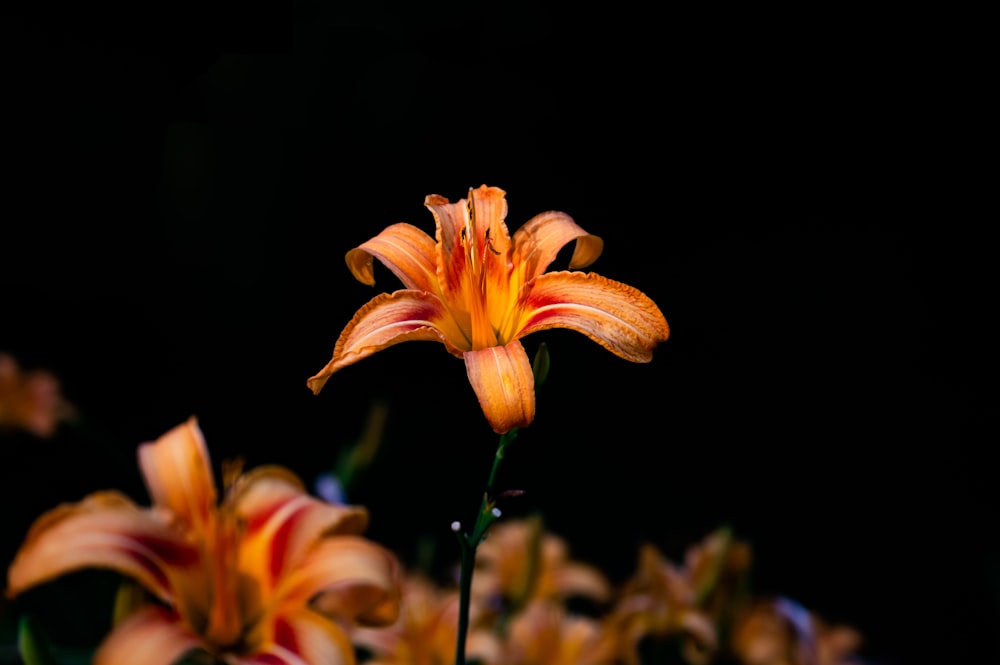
column 489, row 243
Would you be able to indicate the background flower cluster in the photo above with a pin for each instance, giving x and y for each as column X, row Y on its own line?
column 532, row 601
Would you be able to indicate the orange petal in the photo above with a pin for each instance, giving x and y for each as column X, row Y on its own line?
column 386, row 320
column 617, row 316
column 471, row 238
column 301, row 637
column 348, row 578
column 537, row 243
column 105, row 530
column 283, row 523
column 455, row 225
column 405, row 250
column 179, row 476
column 489, row 209
column 30, row 400
column 546, row 633
column 152, row 636
column 504, row 384
column 581, row 579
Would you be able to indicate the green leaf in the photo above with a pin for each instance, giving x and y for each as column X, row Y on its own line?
column 34, row 648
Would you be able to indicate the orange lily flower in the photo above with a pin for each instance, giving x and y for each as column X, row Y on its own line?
column 522, row 562
column 659, row 600
column 779, row 631
column 427, row 629
column 268, row 576
column 31, row 401
column 545, row 632
column 478, row 291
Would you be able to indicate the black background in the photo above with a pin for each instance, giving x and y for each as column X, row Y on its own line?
column 799, row 192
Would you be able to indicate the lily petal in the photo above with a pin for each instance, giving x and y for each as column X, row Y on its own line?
column 564, row 576
column 282, row 523
column 504, row 384
column 105, row 530
column 466, row 222
column 472, row 240
column 580, row 579
column 303, row 637
column 348, row 578
column 405, row 250
column 151, row 636
column 617, row 316
column 178, row 474
column 386, row 320
column 273, row 654
column 537, row 243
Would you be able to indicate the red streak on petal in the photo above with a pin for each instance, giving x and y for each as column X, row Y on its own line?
column 280, row 541
column 168, row 552
column 258, row 519
column 284, row 635
column 538, row 301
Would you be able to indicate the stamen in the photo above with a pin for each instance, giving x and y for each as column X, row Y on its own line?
column 489, row 245
column 469, row 233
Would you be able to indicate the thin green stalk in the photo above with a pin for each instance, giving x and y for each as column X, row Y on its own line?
column 488, row 514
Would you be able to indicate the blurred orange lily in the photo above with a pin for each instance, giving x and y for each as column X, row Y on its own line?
column 426, row 630
column 478, row 291
column 660, row 599
column 31, row 401
column 546, row 632
column 268, row 576
column 522, row 562
column 779, row 631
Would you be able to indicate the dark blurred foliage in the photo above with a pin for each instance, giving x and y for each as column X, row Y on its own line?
column 800, row 193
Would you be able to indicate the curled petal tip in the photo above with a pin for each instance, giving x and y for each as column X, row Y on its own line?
column 316, row 383
column 588, row 248
column 359, row 262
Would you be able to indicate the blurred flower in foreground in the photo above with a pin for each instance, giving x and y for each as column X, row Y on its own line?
column 526, row 611
column 30, row 401
column 547, row 634
column 662, row 600
column 781, row 632
column 521, row 562
column 426, row 630
column 478, row 290
column 268, row 576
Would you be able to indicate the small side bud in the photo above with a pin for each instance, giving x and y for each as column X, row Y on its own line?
column 496, row 512
column 540, row 365
column 455, row 526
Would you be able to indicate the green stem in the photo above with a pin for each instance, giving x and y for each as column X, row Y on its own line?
column 468, row 544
